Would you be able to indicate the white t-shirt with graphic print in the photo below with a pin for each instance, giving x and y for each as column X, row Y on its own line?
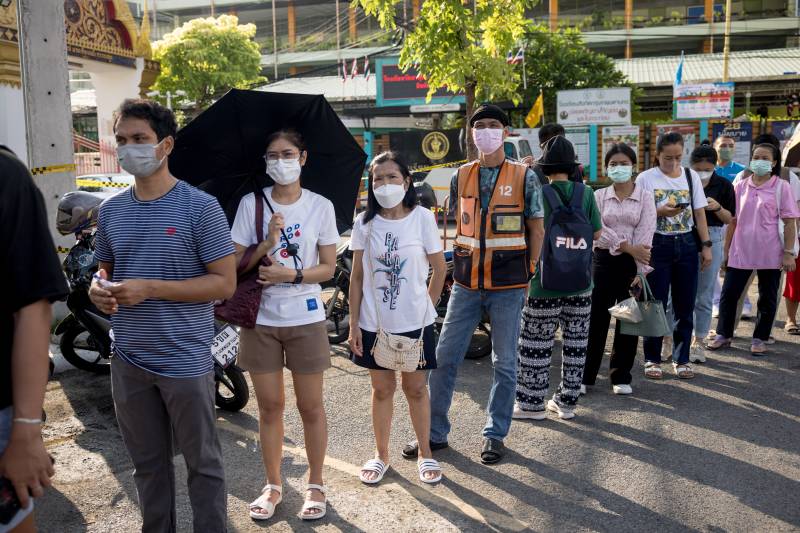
column 310, row 222
column 673, row 191
column 399, row 268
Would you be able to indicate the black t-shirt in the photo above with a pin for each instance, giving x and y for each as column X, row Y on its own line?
column 720, row 190
column 29, row 265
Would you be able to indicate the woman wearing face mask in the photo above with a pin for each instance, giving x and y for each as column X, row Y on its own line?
column 680, row 206
column 756, row 241
column 720, row 211
column 395, row 241
column 623, row 250
column 290, row 329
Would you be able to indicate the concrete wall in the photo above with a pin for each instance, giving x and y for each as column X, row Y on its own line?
column 112, row 84
column 12, row 120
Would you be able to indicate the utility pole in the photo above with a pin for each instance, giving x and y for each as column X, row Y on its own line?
column 274, row 43
column 628, row 28
column 553, row 15
column 213, row 9
column 726, row 51
column 338, row 36
column 45, row 89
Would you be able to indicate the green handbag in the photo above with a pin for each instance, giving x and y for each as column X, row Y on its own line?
column 654, row 320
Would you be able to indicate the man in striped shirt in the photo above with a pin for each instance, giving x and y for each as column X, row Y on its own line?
column 165, row 253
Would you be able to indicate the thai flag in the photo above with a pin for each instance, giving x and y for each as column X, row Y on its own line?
column 515, row 59
column 367, row 73
column 354, row 70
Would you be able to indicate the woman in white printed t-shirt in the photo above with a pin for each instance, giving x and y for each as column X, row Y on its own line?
column 681, row 249
column 395, row 242
column 290, row 329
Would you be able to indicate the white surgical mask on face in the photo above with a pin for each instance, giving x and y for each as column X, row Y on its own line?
column 705, row 175
column 620, row 173
column 284, row 171
column 139, row 159
column 389, row 195
column 488, row 140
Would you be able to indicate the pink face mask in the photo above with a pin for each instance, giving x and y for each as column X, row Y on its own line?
column 488, row 140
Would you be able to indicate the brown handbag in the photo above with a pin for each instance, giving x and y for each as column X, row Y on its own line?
column 242, row 308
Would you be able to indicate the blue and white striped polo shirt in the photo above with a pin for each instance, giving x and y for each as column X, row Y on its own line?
column 171, row 238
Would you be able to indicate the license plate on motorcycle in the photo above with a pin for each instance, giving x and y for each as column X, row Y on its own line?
column 225, row 346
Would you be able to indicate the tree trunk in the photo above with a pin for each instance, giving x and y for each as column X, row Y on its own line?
column 472, row 150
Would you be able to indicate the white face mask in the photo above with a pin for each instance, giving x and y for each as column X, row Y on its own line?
column 705, row 175
column 139, row 159
column 284, row 171
column 389, row 195
column 488, row 140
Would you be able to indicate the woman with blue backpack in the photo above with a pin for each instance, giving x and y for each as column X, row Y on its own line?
column 560, row 292
column 681, row 234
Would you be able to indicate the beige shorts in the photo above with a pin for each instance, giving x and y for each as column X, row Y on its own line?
column 302, row 349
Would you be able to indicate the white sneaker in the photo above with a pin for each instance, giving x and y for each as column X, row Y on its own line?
column 697, row 353
column 583, row 389
column 622, row 389
column 715, row 311
column 747, row 312
column 521, row 414
column 564, row 413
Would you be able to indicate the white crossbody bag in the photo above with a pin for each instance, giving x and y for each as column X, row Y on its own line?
column 393, row 352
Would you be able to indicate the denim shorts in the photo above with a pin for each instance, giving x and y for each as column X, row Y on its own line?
column 6, row 416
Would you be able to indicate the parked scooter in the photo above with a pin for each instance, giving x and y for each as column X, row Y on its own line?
column 337, row 308
column 86, row 334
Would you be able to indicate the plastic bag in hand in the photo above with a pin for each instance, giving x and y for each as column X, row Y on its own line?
column 627, row 310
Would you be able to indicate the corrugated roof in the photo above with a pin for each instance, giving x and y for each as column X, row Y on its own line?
column 332, row 87
column 781, row 64
column 321, row 57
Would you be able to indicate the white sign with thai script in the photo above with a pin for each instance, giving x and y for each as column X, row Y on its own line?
column 584, row 107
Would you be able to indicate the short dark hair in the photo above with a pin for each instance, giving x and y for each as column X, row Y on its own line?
column 621, row 148
column 704, row 153
column 160, row 118
column 767, row 138
column 288, row 134
column 668, row 139
column 776, row 156
column 548, row 131
column 409, row 200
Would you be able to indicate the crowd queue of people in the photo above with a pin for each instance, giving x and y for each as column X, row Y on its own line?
column 166, row 254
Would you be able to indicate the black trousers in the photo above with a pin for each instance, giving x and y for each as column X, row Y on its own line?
column 613, row 275
column 769, row 282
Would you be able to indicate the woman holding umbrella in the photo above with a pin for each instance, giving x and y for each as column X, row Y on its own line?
column 290, row 329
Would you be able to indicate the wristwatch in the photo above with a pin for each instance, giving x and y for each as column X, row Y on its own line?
column 707, row 244
column 790, row 252
column 298, row 279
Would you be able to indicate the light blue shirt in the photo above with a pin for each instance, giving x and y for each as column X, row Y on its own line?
column 730, row 170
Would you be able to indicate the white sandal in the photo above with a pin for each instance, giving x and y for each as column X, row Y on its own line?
column 373, row 465
column 262, row 502
column 311, row 504
column 429, row 465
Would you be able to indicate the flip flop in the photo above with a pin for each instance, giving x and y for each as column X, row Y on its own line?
column 373, row 465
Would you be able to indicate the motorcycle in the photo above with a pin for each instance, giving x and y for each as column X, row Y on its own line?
column 86, row 333
column 337, row 309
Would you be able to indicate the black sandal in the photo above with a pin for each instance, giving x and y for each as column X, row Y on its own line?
column 411, row 450
column 492, row 452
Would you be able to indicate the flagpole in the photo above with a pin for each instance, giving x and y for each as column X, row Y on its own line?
column 524, row 74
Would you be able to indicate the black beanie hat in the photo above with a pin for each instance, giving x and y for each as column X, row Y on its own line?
column 489, row 111
column 558, row 156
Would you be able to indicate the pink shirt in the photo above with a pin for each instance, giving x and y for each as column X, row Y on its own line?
column 756, row 243
column 632, row 220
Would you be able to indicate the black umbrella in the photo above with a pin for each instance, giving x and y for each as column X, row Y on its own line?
column 221, row 151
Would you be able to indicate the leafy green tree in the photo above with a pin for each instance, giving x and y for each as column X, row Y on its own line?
column 560, row 61
column 461, row 44
column 207, row 56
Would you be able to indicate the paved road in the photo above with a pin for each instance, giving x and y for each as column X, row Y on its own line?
column 719, row 453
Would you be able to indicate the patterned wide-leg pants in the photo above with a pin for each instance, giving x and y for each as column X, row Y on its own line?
column 540, row 319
